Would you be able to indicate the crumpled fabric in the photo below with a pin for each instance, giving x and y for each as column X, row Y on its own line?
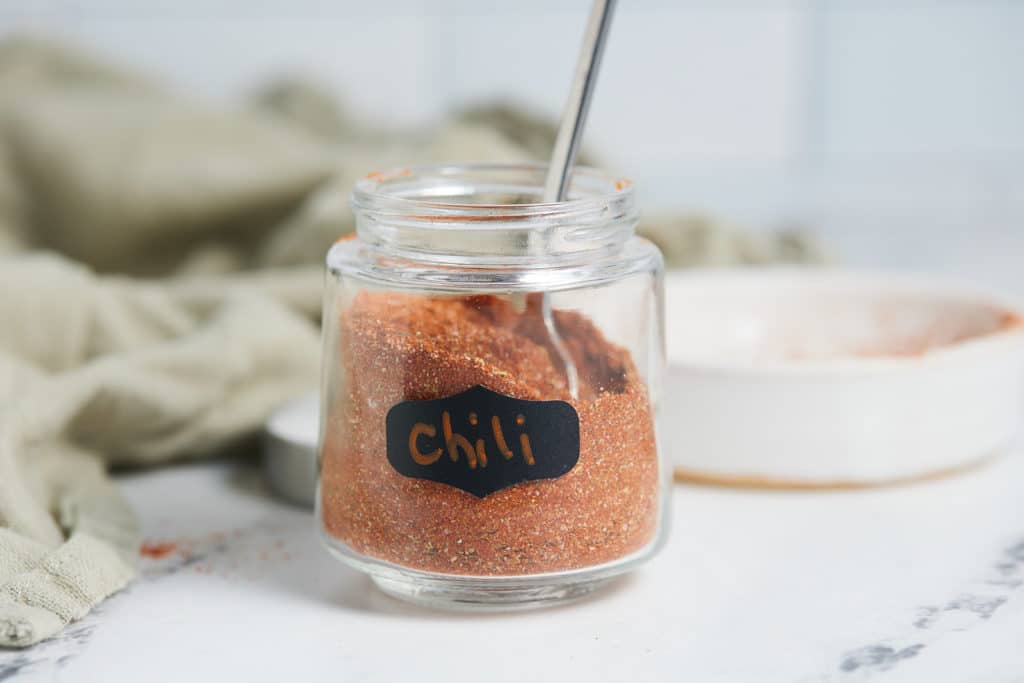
column 160, row 285
column 99, row 371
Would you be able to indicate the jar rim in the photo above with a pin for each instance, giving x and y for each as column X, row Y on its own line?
column 462, row 213
column 427, row 193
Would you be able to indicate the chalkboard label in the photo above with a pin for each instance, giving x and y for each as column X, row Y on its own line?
column 481, row 441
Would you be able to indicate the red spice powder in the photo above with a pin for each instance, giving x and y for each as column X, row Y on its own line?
column 396, row 347
column 158, row 551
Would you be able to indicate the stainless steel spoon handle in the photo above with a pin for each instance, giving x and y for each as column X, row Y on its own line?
column 570, row 131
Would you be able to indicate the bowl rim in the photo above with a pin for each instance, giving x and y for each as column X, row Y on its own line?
column 1007, row 339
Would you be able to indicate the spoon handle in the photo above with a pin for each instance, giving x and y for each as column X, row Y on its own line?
column 575, row 115
column 570, row 130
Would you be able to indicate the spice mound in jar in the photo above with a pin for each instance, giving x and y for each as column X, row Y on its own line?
column 397, row 347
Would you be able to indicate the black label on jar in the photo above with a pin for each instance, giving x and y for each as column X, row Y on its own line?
column 481, row 441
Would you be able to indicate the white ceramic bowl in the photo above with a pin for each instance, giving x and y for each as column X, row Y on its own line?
column 818, row 377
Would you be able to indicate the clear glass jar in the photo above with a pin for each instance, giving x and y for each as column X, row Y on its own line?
column 490, row 387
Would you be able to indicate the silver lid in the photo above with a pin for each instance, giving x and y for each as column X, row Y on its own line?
column 289, row 450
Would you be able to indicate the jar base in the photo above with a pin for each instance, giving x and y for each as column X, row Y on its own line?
column 462, row 592
column 470, row 596
column 487, row 593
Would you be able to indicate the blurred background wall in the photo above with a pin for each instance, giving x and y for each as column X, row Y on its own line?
column 860, row 119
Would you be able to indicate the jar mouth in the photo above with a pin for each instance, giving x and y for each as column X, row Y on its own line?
column 491, row 210
column 485, row 191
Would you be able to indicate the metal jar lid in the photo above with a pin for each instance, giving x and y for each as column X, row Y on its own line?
column 289, row 450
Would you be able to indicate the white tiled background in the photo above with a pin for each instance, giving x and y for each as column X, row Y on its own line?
column 845, row 115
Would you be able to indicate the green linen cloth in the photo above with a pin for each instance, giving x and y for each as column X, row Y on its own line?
column 160, row 281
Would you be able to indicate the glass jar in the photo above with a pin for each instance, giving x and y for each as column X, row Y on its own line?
column 490, row 387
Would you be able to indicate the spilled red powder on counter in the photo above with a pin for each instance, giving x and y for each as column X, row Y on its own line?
column 158, row 551
column 397, row 347
column 240, row 553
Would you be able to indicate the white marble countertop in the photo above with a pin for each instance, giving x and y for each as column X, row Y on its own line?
column 921, row 583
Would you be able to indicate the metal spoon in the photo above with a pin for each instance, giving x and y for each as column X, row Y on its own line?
column 570, row 131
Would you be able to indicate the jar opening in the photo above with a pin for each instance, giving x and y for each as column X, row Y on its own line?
column 492, row 210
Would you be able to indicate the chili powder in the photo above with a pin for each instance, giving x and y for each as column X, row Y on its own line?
column 396, row 347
